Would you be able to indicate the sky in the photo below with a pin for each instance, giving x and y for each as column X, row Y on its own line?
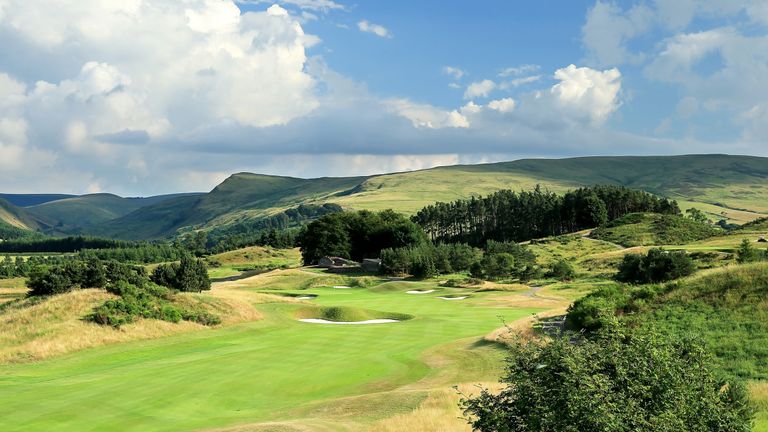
column 143, row 97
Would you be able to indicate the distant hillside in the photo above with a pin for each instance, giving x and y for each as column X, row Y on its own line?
column 16, row 216
column 241, row 196
column 70, row 214
column 729, row 187
column 27, row 200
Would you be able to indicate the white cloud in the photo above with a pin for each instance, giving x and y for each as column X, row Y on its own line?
column 517, row 82
column 505, row 105
column 608, row 28
column 479, row 89
column 453, row 72
column 587, row 92
column 519, row 70
column 427, row 116
column 144, row 72
column 316, row 5
column 369, row 27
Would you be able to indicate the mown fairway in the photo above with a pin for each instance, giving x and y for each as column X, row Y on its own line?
column 272, row 370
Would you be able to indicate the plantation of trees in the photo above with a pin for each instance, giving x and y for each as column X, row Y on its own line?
column 519, row 216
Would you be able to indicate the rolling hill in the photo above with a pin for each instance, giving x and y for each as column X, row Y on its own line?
column 724, row 187
column 28, row 200
column 69, row 214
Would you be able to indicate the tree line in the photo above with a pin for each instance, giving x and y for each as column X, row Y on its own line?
column 520, row 216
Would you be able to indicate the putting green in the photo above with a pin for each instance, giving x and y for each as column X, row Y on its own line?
column 262, row 371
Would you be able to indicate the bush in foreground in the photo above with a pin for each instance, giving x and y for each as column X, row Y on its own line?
column 619, row 380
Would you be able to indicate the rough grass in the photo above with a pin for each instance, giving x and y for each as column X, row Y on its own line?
column 758, row 391
column 574, row 248
column 36, row 329
column 233, row 263
column 12, row 289
column 727, row 308
column 440, row 412
column 645, row 229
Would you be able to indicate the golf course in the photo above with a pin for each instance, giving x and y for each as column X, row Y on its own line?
column 276, row 372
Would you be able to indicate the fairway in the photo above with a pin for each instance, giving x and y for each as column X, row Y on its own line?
column 273, row 370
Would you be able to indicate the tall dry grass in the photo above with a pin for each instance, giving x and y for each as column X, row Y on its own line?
column 440, row 412
column 34, row 330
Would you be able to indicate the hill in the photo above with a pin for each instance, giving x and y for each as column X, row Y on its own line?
column 241, row 196
column 16, row 216
column 70, row 214
column 648, row 229
column 28, row 200
column 727, row 187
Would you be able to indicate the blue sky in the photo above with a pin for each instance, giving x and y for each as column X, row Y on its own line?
column 153, row 96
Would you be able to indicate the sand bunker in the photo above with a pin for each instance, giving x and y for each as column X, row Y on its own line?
column 420, row 292
column 342, row 287
column 309, row 297
column 324, row 321
column 453, row 298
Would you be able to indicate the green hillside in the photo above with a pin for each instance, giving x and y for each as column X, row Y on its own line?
column 241, row 196
column 724, row 187
column 70, row 214
column 646, row 229
column 16, row 216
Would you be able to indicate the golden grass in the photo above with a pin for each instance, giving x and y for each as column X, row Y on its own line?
column 35, row 330
column 758, row 391
column 12, row 289
column 439, row 412
column 522, row 328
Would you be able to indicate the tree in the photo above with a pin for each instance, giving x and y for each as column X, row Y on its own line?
column 748, row 253
column 190, row 275
column 697, row 215
column 619, row 380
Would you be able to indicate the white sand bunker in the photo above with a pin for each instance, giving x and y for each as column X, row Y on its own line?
column 324, row 321
column 342, row 287
column 453, row 298
column 306, row 297
column 419, row 292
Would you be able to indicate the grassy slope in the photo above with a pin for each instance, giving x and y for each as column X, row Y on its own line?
column 234, row 262
column 327, row 376
column 16, row 216
column 646, row 229
column 731, row 187
column 240, row 196
column 711, row 181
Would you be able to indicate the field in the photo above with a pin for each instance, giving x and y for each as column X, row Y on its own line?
column 277, row 373
column 236, row 263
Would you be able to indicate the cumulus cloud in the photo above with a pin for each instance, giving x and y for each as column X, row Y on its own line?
column 366, row 26
column 587, row 92
column 118, row 73
column 480, row 89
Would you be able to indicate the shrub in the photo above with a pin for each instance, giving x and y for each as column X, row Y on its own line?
column 619, row 380
column 748, row 253
column 562, row 270
column 656, row 266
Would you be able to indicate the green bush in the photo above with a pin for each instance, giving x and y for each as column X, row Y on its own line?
column 619, row 380
column 656, row 266
column 562, row 270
